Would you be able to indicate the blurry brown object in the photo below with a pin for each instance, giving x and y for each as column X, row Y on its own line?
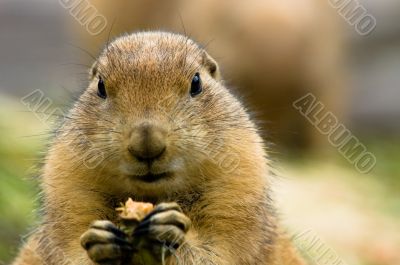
column 274, row 52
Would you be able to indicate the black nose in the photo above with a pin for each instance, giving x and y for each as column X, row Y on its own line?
column 147, row 142
column 147, row 154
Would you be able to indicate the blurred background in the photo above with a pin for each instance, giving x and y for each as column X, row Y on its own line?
column 271, row 53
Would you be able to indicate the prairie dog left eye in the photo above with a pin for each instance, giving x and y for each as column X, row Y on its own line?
column 196, row 87
column 101, row 89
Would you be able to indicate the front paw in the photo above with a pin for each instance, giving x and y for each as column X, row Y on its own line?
column 162, row 231
column 106, row 244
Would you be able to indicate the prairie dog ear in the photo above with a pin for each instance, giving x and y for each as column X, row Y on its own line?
column 211, row 65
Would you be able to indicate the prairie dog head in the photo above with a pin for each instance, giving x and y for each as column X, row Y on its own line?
column 157, row 110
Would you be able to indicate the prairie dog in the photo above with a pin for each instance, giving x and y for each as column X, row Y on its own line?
column 157, row 124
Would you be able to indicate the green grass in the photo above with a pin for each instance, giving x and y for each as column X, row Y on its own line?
column 17, row 191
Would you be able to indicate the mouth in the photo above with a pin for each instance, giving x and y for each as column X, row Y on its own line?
column 150, row 178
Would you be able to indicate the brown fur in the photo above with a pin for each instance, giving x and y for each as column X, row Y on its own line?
column 148, row 76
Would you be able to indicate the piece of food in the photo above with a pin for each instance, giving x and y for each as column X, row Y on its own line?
column 131, row 213
column 132, row 210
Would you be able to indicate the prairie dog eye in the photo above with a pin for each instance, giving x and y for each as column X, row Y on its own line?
column 196, row 87
column 101, row 89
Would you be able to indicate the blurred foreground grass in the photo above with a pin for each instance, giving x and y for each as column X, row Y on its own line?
column 356, row 215
column 17, row 191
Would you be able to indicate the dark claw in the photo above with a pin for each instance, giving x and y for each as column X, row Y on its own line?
column 162, row 207
column 144, row 224
column 141, row 232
